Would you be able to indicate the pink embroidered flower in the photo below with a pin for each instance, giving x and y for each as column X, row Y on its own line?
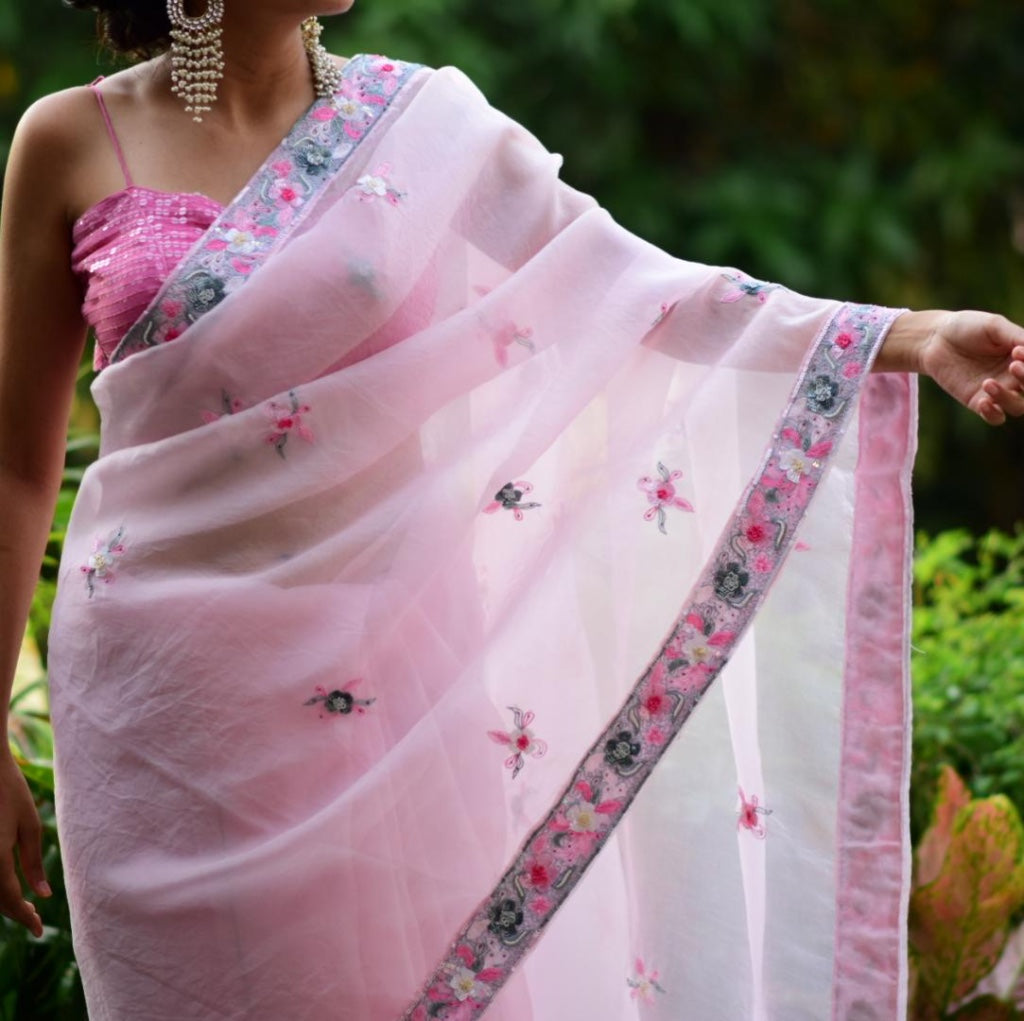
column 751, row 815
column 285, row 193
column 510, row 498
column 762, row 563
column 852, row 370
column 340, row 701
column 644, row 983
column 172, row 309
column 843, row 340
column 756, row 532
column 102, row 563
column 228, row 406
column 656, row 736
column 520, row 740
column 378, row 186
column 510, row 335
column 540, row 905
column 661, row 494
column 283, row 168
column 288, row 419
column 743, row 286
column 662, row 315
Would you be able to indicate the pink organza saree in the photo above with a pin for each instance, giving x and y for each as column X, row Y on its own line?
column 450, row 503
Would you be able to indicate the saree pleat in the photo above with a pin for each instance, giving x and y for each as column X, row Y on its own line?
column 377, row 547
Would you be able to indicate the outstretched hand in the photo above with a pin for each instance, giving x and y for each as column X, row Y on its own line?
column 20, row 833
column 976, row 357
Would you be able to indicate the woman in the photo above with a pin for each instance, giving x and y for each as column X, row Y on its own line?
column 410, row 459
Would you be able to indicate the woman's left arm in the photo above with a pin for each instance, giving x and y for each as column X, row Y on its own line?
column 977, row 357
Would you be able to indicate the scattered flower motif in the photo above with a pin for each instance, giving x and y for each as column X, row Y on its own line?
column 762, row 563
column 644, row 983
column 285, row 192
column 751, row 815
column 288, row 419
column 746, row 287
column 622, row 751
column 377, row 185
column 520, row 739
column 510, row 498
column 661, row 493
column 507, row 336
column 843, row 340
column 851, row 370
column 662, row 315
column 102, row 564
column 228, row 406
column 340, row 701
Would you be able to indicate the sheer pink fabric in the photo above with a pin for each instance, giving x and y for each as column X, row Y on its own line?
column 373, row 551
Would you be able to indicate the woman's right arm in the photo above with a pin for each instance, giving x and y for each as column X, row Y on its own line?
column 41, row 338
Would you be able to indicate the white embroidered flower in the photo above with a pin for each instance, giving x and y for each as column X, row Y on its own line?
column 351, row 109
column 372, row 184
column 583, row 818
column 464, row 984
column 240, row 242
column 697, row 650
column 795, row 463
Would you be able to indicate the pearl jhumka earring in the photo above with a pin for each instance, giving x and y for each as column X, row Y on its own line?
column 197, row 57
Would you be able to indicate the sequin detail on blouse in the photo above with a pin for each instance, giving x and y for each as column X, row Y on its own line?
column 125, row 246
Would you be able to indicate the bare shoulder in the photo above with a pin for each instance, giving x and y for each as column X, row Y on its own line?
column 51, row 144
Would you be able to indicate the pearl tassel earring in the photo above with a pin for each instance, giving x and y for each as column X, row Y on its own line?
column 326, row 74
column 197, row 59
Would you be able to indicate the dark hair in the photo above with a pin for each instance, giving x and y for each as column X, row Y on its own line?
column 137, row 29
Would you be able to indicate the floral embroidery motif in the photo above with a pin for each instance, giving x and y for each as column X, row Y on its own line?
column 377, row 185
column 510, row 498
column 751, row 815
column 661, row 493
column 272, row 204
column 288, row 419
column 102, row 564
column 507, row 336
column 644, row 983
column 663, row 314
column 520, row 739
column 743, row 286
column 340, row 701
column 718, row 610
column 228, row 406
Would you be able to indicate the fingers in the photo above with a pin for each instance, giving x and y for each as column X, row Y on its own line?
column 30, row 855
column 13, row 904
column 1001, row 400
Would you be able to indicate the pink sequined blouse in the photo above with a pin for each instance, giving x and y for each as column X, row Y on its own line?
column 126, row 245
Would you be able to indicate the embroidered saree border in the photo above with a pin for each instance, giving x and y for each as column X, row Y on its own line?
column 274, row 202
column 873, row 838
column 511, row 919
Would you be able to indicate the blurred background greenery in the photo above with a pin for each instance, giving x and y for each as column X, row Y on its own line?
column 870, row 150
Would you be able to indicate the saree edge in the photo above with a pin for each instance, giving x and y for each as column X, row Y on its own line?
column 873, row 850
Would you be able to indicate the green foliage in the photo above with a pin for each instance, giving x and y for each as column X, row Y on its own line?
column 968, row 665
column 969, row 884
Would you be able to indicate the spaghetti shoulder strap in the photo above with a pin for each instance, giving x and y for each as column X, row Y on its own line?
column 110, row 131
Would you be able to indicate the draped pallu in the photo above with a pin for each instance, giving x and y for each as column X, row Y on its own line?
column 448, row 504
